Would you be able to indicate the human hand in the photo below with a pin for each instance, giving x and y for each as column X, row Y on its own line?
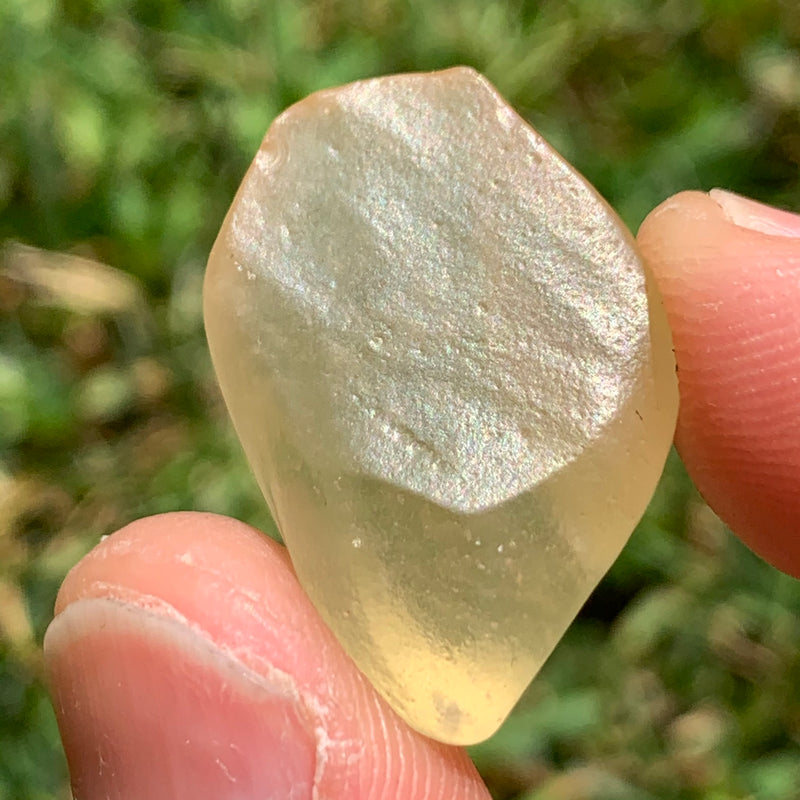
column 186, row 662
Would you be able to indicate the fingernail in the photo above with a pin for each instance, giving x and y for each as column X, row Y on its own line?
column 748, row 213
column 148, row 707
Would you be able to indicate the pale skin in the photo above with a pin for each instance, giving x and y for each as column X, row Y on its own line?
column 186, row 662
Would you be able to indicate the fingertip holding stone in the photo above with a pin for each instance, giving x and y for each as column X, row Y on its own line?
column 147, row 706
column 451, row 375
column 728, row 269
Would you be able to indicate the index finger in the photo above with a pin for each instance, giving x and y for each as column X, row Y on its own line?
column 729, row 271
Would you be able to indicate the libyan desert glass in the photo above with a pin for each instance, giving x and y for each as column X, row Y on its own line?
column 452, row 377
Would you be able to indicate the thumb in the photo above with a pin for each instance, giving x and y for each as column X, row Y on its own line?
column 185, row 661
column 729, row 271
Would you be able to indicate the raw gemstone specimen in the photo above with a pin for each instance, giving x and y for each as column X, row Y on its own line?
column 452, row 377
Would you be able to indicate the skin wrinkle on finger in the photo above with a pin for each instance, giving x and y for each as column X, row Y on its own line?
column 114, row 591
column 238, row 590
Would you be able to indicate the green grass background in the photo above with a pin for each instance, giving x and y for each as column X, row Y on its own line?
column 125, row 127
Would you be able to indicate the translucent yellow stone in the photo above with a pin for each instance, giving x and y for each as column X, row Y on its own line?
column 451, row 375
